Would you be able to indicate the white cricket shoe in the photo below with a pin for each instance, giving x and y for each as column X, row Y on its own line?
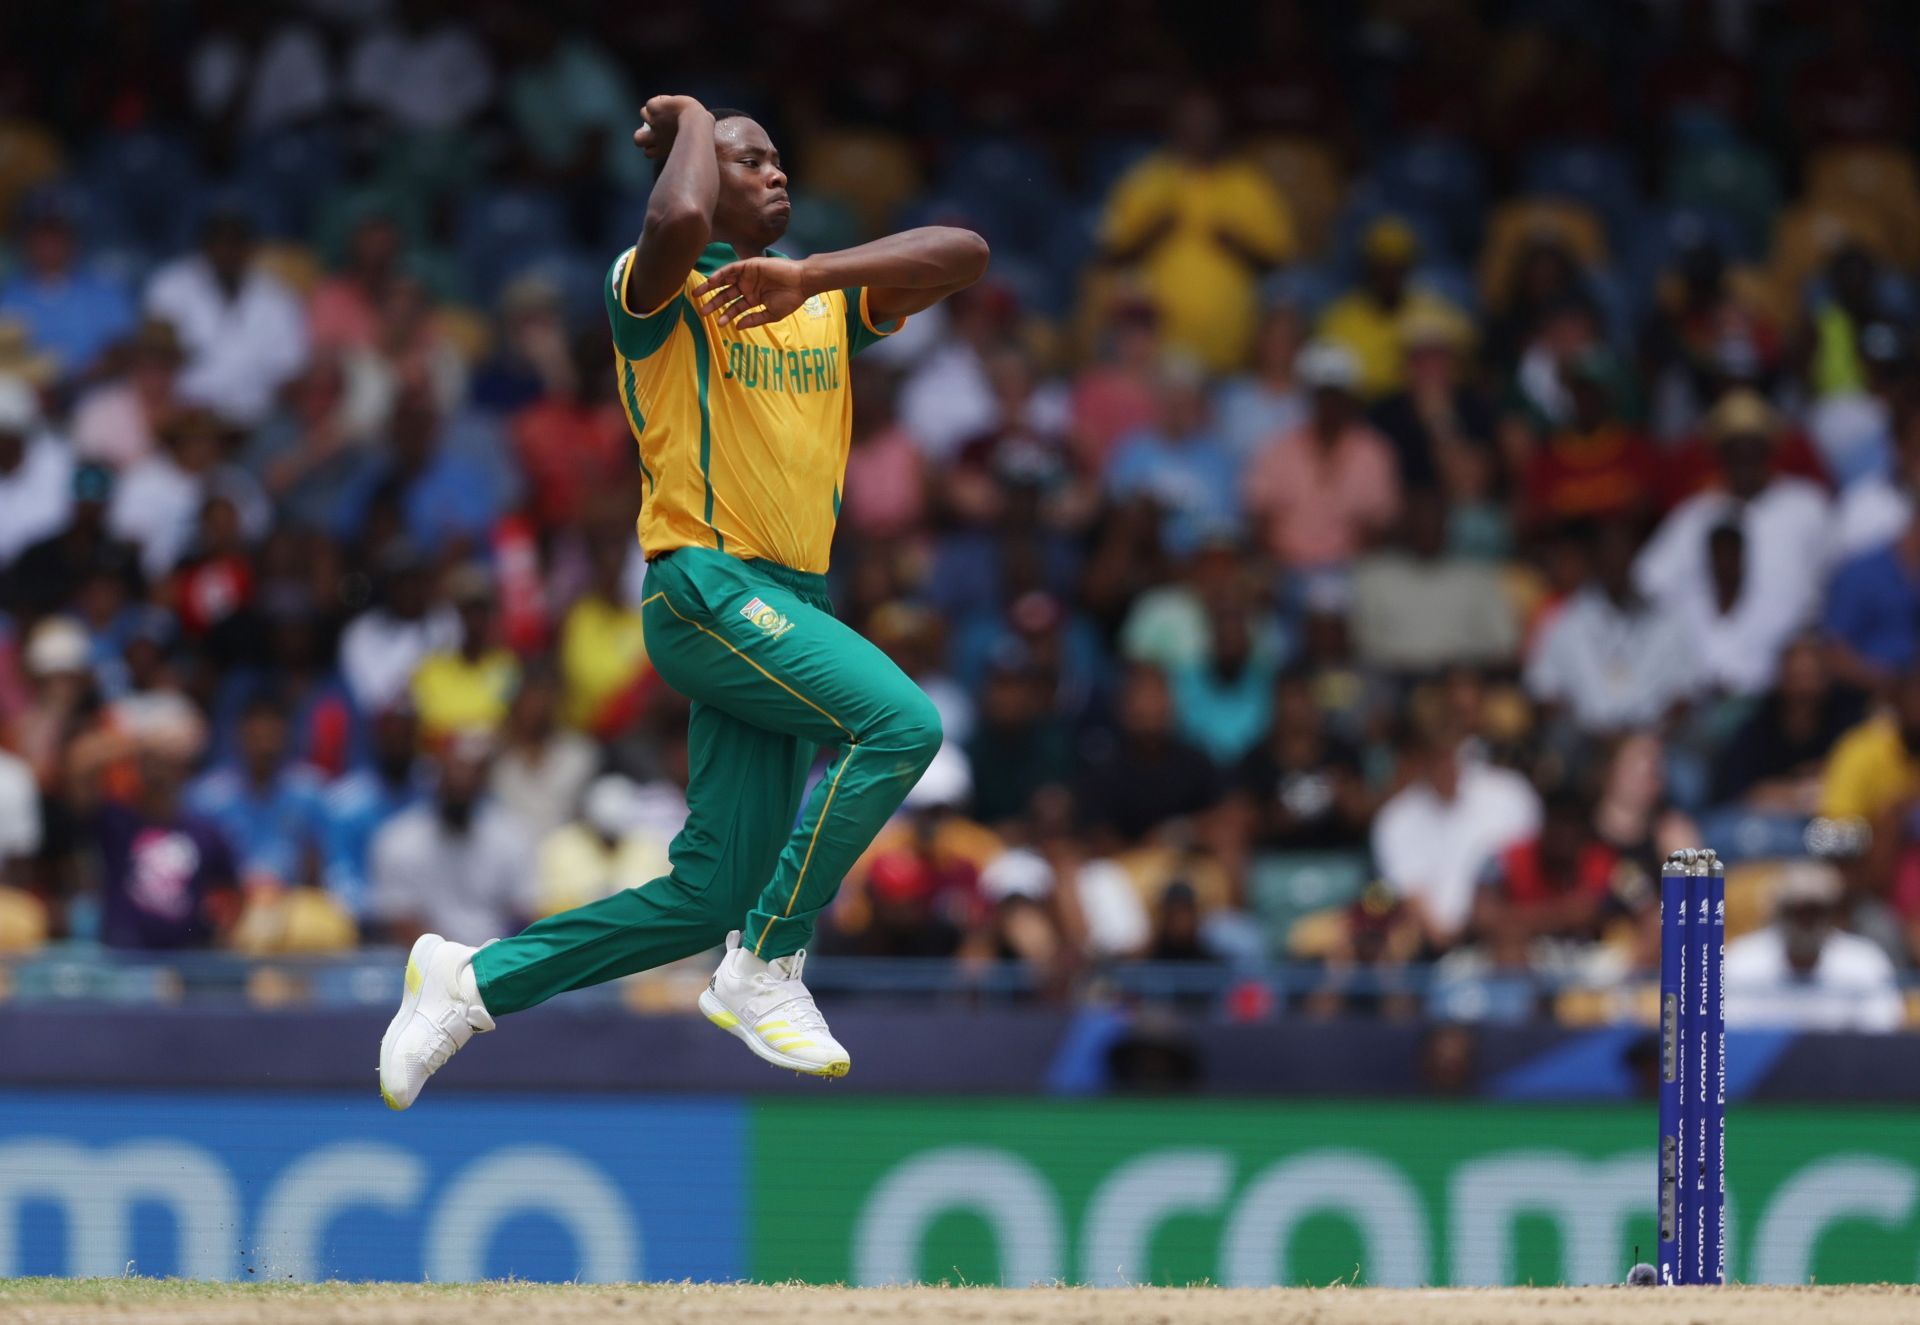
column 439, row 1012
column 765, row 1005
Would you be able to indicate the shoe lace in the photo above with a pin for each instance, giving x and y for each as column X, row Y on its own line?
column 799, row 1007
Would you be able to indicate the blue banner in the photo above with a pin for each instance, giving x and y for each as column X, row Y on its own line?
column 335, row 1186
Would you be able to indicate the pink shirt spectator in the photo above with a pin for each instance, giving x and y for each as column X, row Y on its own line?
column 341, row 316
column 1109, row 404
column 883, row 497
column 1319, row 506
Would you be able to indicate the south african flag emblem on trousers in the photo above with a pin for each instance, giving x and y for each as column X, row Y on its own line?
column 772, row 623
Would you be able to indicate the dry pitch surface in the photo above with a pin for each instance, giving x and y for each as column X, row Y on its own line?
column 67, row 1302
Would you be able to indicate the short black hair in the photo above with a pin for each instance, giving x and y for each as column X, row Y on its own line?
column 730, row 113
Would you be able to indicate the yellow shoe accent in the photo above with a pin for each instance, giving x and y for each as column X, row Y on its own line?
column 838, row 1069
column 413, row 978
column 390, row 1102
column 726, row 1021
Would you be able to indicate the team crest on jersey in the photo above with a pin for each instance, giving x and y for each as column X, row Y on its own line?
column 816, row 305
column 772, row 624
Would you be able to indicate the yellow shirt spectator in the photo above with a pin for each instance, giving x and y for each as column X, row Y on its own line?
column 453, row 693
column 1869, row 772
column 603, row 651
column 1373, row 321
column 1203, row 231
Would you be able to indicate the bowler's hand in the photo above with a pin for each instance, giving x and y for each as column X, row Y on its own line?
column 753, row 292
column 659, row 121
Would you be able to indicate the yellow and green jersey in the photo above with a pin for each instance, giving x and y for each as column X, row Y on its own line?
column 743, row 434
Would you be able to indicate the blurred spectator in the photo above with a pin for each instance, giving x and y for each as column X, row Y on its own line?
column 119, row 422
column 573, row 444
column 948, row 396
column 468, row 688
column 1841, row 327
column 1872, row 615
column 1181, row 465
column 1143, row 777
column 1224, row 701
column 1875, row 768
column 51, row 574
column 1441, row 425
column 602, row 643
column 1323, row 491
column 1118, row 394
column 20, row 827
column 1856, row 91
column 167, row 874
column 1013, row 457
column 1773, row 761
column 1611, row 659
column 1417, row 608
column 1176, row 927
column 1203, row 226
column 311, row 456
column 1591, row 464
column 599, row 853
column 240, row 325
column 1803, row 972
column 60, row 701
column 1876, row 509
column 533, row 356
column 36, row 473
column 1702, row 324
column 542, row 769
column 158, row 502
column 903, row 918
column 1302, row 788
column 1371, row 321
column 289, row 650
column 421, row 73
column 268, row 807
column 1783, row 555
column 1267, row 400
column 458, row 865
column 444, row 478
column 571, row 105
column 384, row 645
column 68, row 309
column 1019, row 746
column 1548, row 891
column 249, row 76
column 359, row 804
column 885, row 494
column 345, row 310
column 1436, row 837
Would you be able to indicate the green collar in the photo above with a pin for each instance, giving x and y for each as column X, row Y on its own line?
column 717, row 255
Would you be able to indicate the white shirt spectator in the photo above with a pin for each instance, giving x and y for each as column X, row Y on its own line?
column 36, row 495
column 1437, row 850
column 469, row 886
column 156, row 506
column 240, row 351
column 1852, row 987
column 380, row 652
column 1116, row 919
column 947, row 400
column 19, row 811
column 423, row 81
column 1872, row 513
column 1614, row 667
column 542, row 791
column 1739, row 650
column 1788, row 551
column 285, row 82
column 1416, row 613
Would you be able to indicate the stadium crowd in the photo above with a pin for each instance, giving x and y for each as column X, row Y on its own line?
column 1369, row 515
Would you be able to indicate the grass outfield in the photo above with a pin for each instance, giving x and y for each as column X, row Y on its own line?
column 175, row 1302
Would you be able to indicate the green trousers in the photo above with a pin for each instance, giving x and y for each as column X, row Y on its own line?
column 773, row 678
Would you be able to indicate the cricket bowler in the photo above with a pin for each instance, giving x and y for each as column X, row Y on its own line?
column 732, row 364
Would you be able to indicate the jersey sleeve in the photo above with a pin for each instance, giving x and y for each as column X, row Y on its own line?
column 862, row 331
column 637, row 335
